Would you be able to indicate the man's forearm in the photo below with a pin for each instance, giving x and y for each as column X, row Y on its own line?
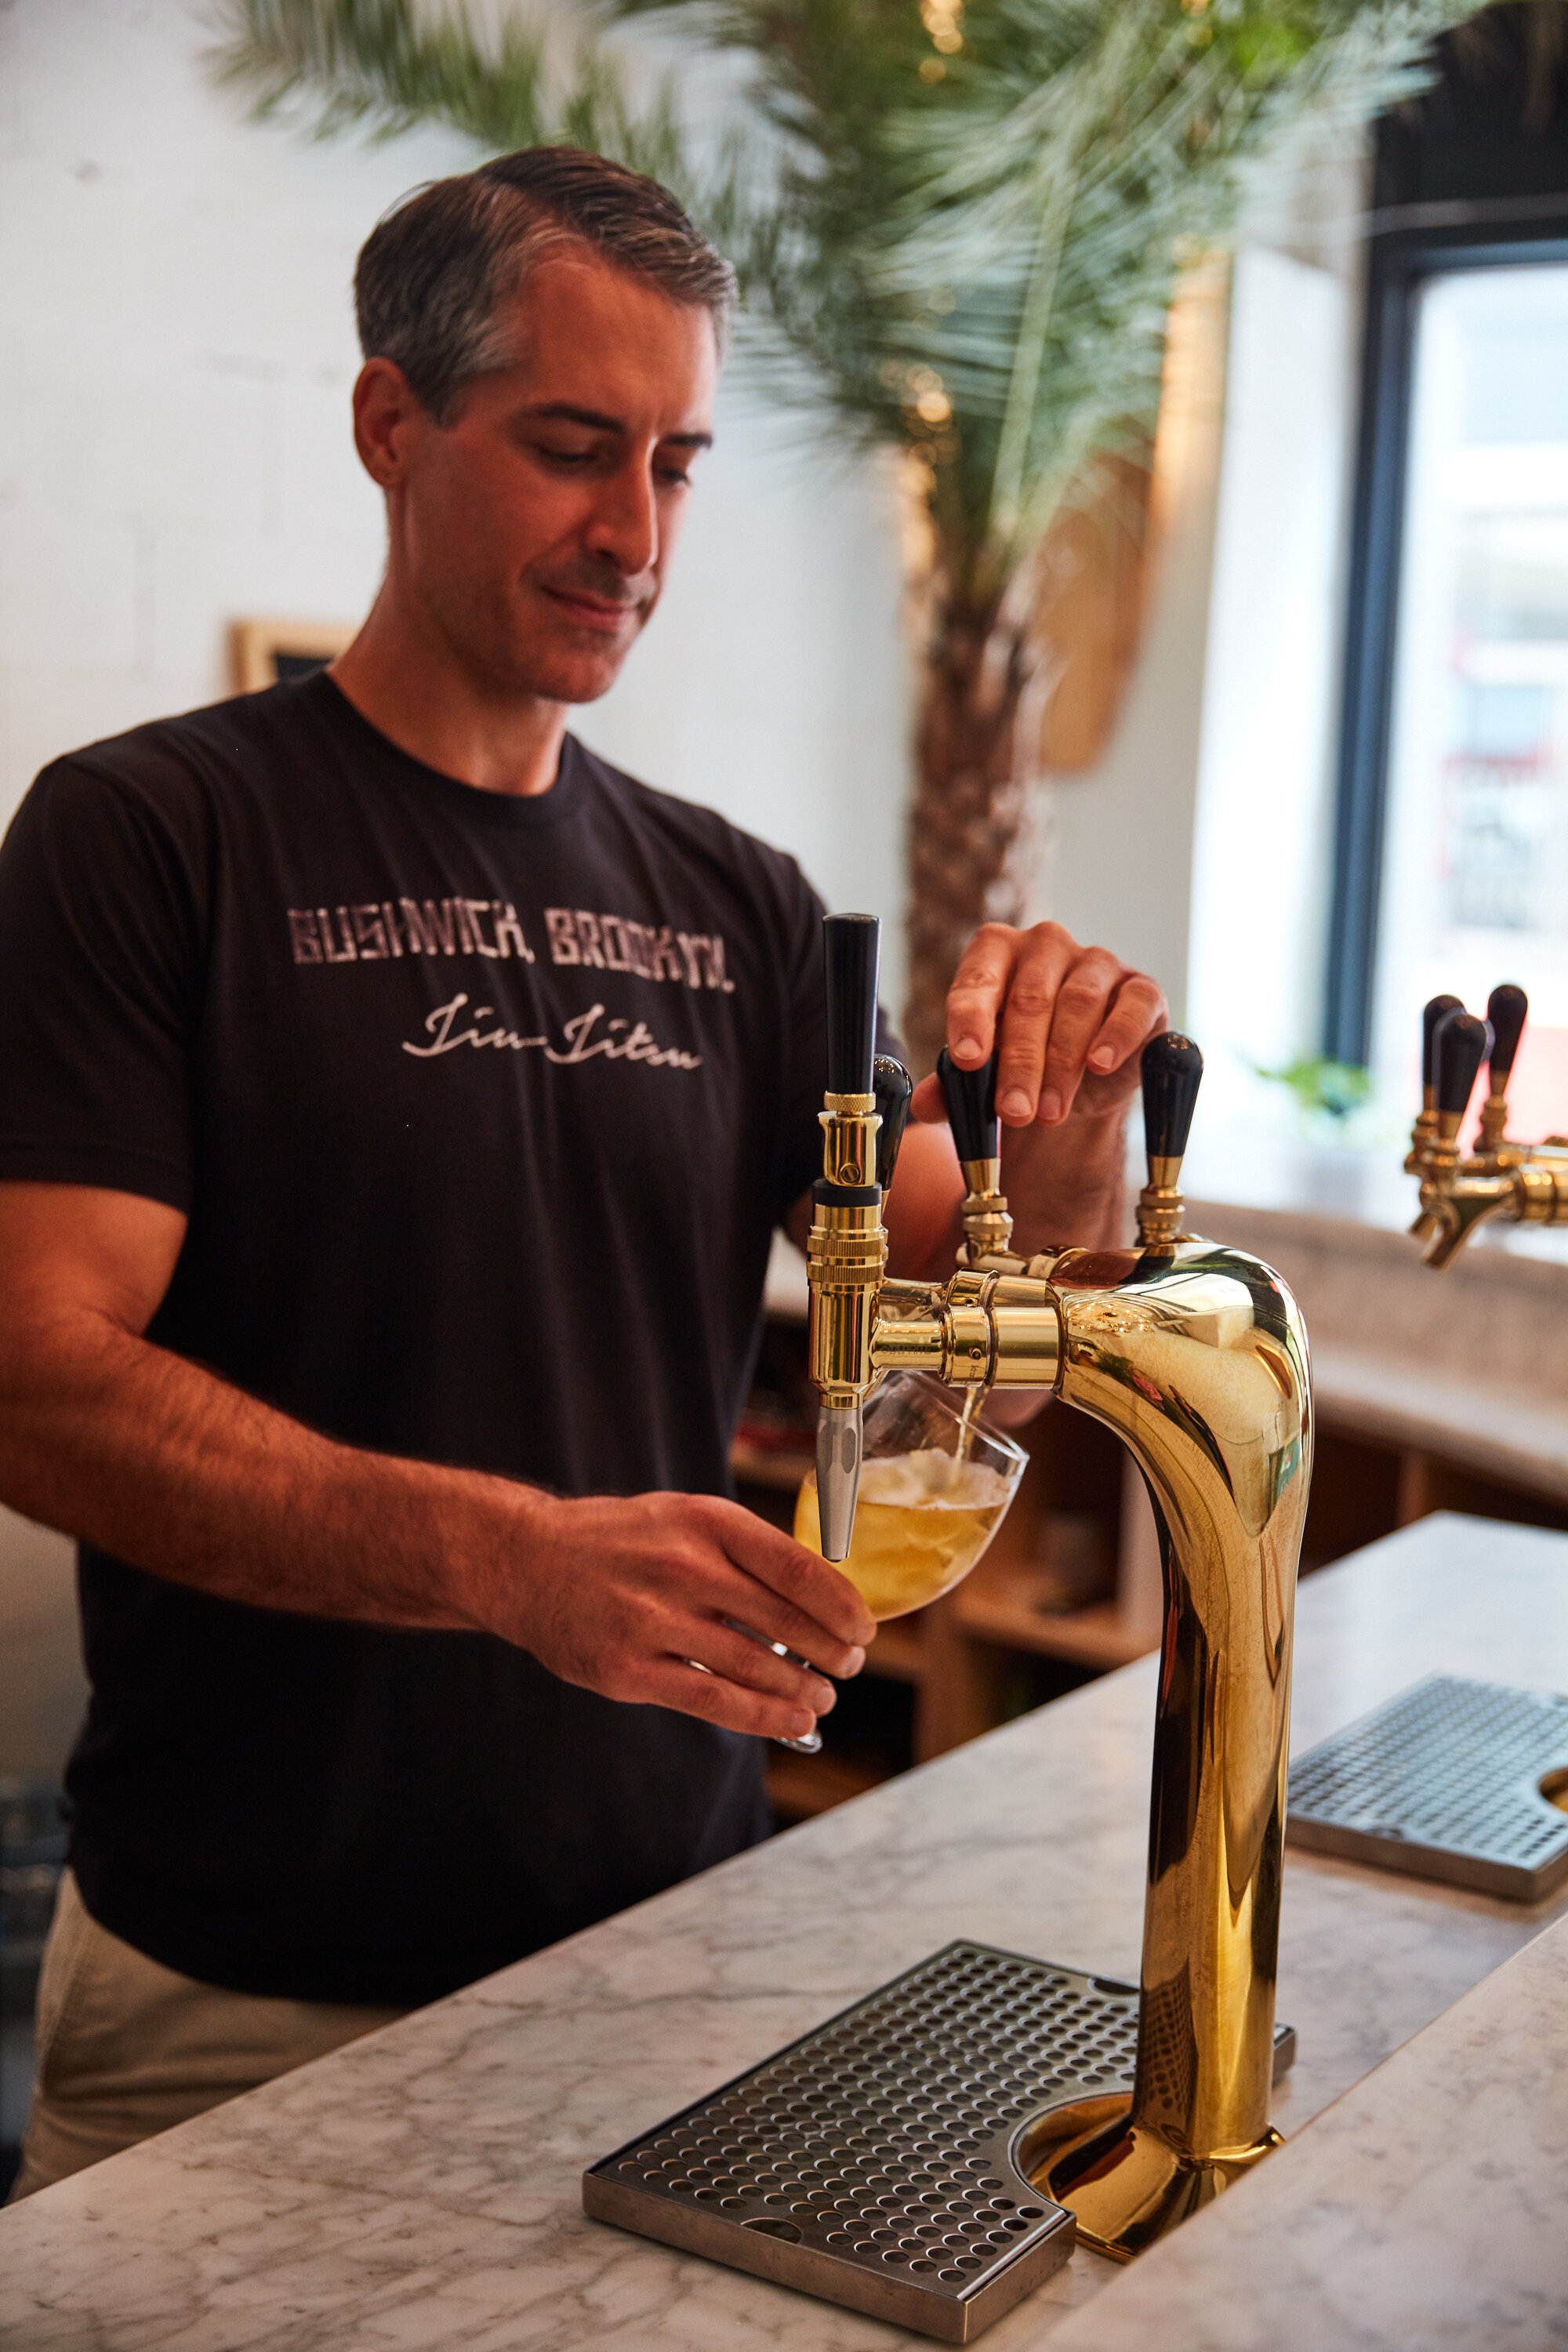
column 145, row 1455
column 151, row 1458
column 1065, row 1187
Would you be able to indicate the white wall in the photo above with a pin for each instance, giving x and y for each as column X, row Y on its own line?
column 178, row 349
column 1120, row 837
column 1266, row 764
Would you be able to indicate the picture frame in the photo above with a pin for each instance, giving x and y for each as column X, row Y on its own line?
column 264, row 653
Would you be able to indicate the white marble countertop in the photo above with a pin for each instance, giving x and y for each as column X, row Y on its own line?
column 421, row 2187
column 1425, row 2209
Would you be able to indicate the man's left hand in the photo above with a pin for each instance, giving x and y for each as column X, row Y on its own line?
column 1070, row 1024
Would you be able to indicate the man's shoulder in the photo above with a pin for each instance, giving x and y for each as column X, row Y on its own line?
column 163, row 756
column 697, row 834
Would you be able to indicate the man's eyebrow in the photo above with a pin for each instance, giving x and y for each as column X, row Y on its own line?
column 562, row 412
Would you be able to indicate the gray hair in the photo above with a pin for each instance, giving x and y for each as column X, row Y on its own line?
column 433, row 272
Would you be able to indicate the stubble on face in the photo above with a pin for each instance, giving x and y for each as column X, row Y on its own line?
column 543, row 513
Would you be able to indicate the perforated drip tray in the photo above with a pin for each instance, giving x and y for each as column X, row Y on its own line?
column 1446, row 1781
column 871, row 2162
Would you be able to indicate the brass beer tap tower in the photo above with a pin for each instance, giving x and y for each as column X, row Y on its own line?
column 1502, row 1181
column 1196, row 1356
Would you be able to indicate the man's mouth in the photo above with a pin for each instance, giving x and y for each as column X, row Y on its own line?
column 607, row 614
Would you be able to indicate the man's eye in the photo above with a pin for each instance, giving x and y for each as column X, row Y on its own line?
column 558, row 455
column 676, row 476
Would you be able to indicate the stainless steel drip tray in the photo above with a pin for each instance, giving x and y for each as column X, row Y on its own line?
column 871, row 2162
column 1449, row 1779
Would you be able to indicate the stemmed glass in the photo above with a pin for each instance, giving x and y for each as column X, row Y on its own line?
column 935, row 1485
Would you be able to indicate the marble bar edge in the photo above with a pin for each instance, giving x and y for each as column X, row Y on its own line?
column 421, row 2187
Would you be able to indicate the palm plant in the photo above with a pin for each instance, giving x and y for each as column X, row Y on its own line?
column 963, row 220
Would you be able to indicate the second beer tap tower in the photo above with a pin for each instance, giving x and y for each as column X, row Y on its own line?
column 1196, row 1356
column 1502, row 1181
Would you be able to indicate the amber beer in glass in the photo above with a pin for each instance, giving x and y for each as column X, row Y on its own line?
column 934, row 1488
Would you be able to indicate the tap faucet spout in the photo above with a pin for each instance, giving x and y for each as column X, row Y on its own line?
column 846, row 1252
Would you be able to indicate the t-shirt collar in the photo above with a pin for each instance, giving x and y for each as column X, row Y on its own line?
column 518, row 811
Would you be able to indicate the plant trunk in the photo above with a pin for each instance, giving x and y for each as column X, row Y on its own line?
column 972, row 778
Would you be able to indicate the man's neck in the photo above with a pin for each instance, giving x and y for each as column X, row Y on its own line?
column 416, row 692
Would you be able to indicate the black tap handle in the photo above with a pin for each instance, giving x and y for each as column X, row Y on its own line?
column 1433, row 1016
column 849, row 945
column 1506, row 1009
column 1463, row 1042
column 892, row 1085
column 970, row 1099
column 1172, row 1071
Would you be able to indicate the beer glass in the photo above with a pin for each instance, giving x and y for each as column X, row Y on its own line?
column 935, row 1481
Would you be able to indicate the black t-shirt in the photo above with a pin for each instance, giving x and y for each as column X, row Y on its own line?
column 483, row 1110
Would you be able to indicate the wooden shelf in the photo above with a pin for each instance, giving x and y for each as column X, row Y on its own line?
column 1000, row 1602
column 898, row 1651
column 801, row 1786
column 759, row 1466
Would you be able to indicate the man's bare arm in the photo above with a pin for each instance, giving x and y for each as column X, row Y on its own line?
column 135, row 1449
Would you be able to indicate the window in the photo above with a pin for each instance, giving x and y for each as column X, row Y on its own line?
column 1473, row 884
column 1451, row 852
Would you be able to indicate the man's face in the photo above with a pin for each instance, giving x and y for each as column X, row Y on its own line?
column 534, row 527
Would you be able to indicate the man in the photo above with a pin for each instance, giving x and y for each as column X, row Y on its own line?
column 395, row 1105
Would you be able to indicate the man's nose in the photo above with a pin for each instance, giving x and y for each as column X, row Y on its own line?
column 625, row 522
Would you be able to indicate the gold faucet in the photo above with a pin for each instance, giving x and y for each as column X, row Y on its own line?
column 1196, row 1356
column 1502, row 1181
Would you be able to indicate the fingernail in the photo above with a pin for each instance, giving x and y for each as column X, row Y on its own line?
column 1050, row 1106
column 825, row 1704
column 802, row 1727
column 856, row 1660
column 968, row 1049
column 1102, row 1057
column 1013, row 1104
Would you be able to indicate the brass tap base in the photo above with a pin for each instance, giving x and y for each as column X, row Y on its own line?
column 1124, row 2185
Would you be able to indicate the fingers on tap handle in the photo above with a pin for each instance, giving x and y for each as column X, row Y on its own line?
column 1506, row 1009
column 1173, row 1070
column 849, row 947
column 894, row 1087
column 970, row 1099
column 1434, row 1014
column 1463, row 1042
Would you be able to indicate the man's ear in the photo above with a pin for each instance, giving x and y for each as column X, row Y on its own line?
column 389, row 421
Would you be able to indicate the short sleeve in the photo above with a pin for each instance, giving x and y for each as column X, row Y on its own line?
column 99, row 981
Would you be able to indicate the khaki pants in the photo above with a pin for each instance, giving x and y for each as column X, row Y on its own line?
column 127, row 2047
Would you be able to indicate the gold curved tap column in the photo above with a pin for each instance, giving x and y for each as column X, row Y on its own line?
column 1196, row 1356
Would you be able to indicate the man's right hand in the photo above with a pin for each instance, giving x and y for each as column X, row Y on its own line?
column 109, row 1437
column 623, row 1594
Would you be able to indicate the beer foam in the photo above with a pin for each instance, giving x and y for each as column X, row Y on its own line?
column 930, row 1480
